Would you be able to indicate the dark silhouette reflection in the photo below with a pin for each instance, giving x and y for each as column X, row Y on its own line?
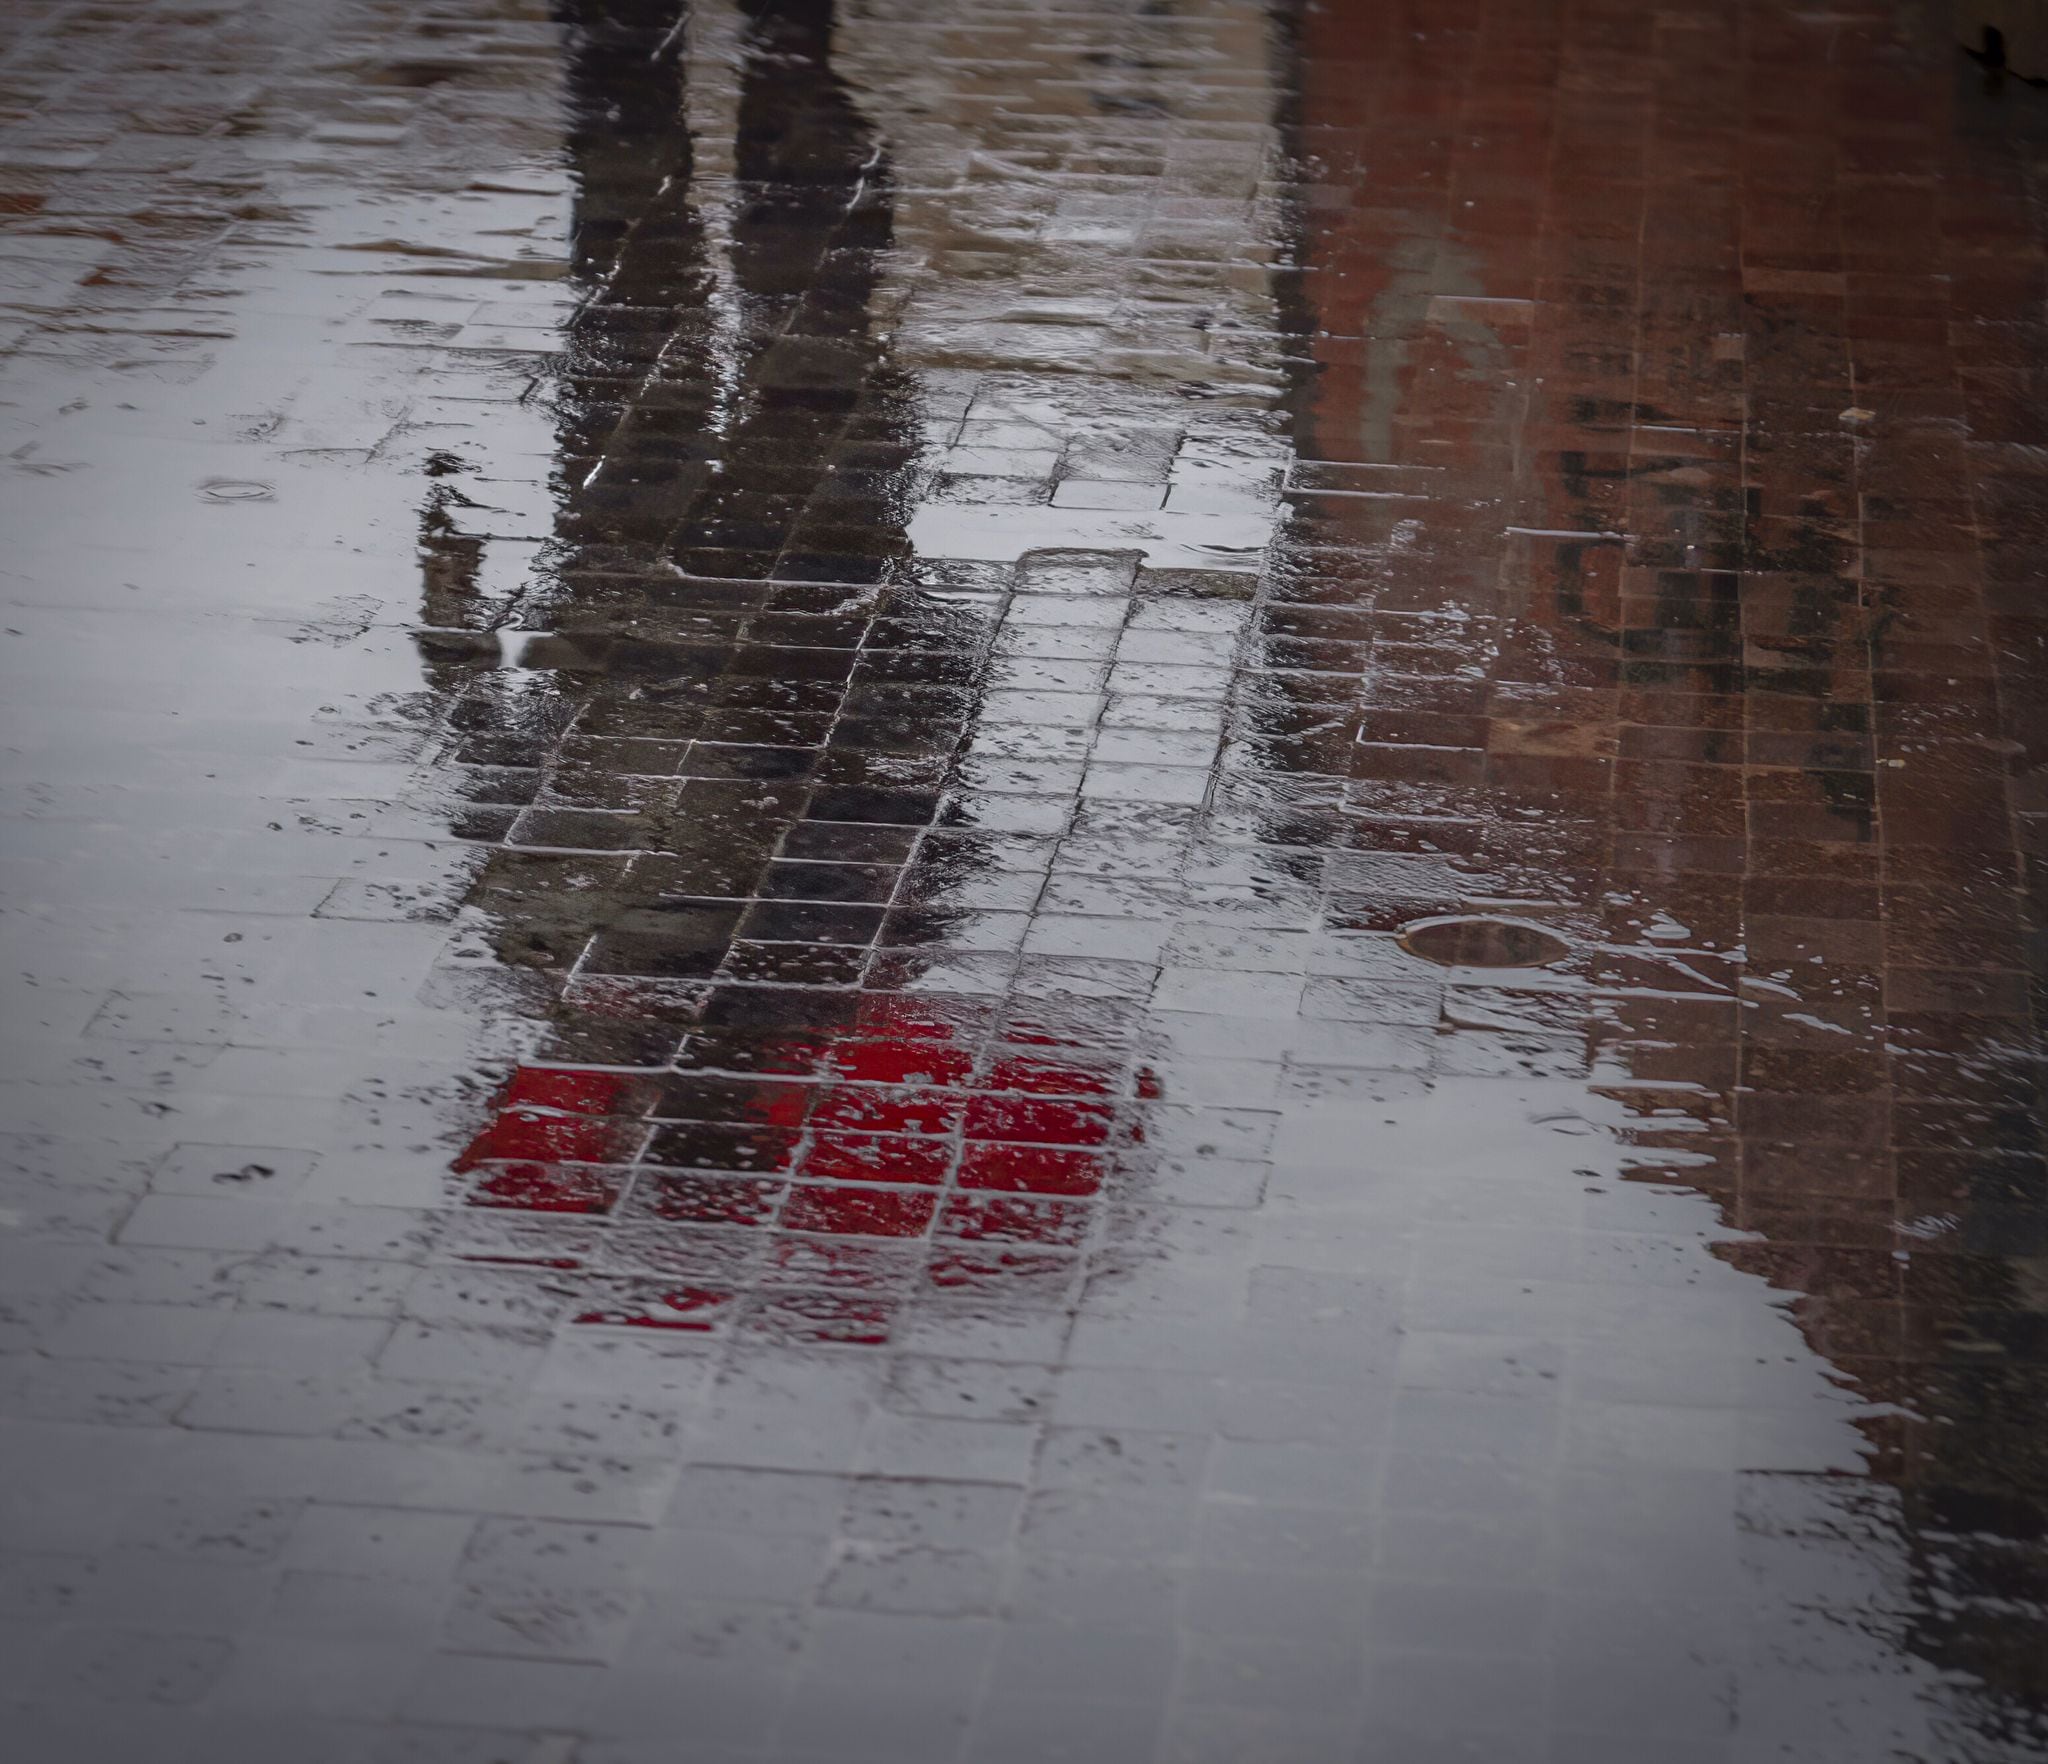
column 711, row 759
column 1630, row 653
column 716, row 434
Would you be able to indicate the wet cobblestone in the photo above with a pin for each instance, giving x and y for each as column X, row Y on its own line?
column 894, row 882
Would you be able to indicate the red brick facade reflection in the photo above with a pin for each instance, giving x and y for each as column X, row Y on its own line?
column 1670, row 442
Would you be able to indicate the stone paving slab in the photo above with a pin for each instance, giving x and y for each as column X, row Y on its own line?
column 894, row 882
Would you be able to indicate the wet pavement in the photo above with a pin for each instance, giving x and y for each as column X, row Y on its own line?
column 1142, row 881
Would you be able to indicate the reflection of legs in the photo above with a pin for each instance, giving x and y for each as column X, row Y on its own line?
column 636, row 254
column 812, row 215
column 625, row 133
column 632, row 443
column 635, row 662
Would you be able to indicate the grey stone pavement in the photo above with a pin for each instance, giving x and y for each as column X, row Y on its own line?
column 1143, row 882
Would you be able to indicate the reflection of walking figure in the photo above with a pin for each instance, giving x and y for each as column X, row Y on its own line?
column 730, row 725
column 748, row 434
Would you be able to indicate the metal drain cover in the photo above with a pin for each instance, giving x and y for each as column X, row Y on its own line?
column 1460, row 940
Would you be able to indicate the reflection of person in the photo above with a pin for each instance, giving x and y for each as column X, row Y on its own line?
column 733, row 444
column 735, row 424
column 803, row 487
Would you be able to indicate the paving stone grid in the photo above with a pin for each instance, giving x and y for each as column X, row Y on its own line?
column 720, row 722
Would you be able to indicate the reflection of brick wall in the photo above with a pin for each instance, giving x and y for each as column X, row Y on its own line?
column 1681, row 552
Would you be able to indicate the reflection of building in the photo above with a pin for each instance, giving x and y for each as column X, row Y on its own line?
column 1638, row 507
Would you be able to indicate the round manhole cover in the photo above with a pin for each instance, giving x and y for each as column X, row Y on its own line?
column 1460, row 940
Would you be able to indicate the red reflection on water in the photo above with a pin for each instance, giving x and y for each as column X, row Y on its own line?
column 867, row 1212
column 883, row 1144
column 878, row 1157
column 1032, row 1169
column 549, row 1188
column 547, row 1137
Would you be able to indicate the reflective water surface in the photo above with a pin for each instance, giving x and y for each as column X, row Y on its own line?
column 1136, row 881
